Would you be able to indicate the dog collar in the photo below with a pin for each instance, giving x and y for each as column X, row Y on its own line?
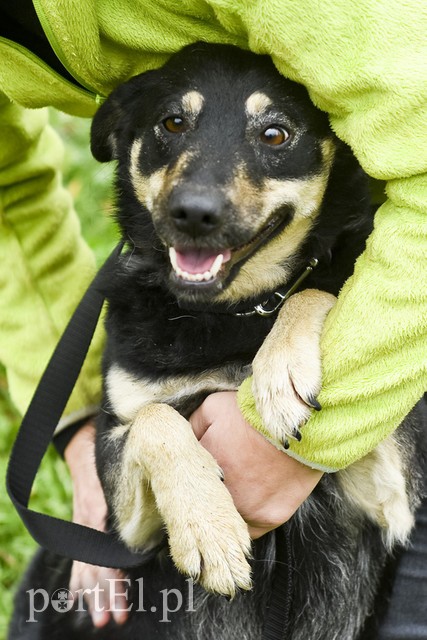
column 266, row 308
column 270, row 306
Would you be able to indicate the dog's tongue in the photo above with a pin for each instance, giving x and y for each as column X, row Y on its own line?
column 199, row 260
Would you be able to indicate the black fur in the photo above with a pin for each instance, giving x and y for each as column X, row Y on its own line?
column 158, row 326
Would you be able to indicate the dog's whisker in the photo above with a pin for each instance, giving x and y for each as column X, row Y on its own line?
column 181, row 317
column 158, row 250
column 130, row 256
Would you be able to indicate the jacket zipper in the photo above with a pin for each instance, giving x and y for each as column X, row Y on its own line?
column 58, row 49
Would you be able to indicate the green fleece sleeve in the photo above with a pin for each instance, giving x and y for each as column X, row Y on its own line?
column 364, row 63
column 374, row 343
column 45, row 263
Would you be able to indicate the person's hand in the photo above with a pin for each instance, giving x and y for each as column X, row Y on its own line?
column 266, row 484
column 90, row 509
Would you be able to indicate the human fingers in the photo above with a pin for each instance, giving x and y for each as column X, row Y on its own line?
column 102, row 590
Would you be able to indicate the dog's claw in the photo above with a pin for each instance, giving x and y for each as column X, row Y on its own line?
column 313, row 403
column 297, row 435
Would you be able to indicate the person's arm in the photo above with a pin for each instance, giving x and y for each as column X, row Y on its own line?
column 90, row 509
column 46, row 265
column 364, row 63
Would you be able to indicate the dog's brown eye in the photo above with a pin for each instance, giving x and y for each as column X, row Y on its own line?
column 174, row 124
column 274, row 136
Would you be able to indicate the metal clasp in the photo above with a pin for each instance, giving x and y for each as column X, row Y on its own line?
column 265, row 311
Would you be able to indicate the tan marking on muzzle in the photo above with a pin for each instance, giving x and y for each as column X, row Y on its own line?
column 157, row 186
column 271, row 264
column 304, row 194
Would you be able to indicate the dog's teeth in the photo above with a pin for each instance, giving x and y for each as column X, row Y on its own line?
column 216, row 265
column 192, row 277
column 173, row 259
column 195, row 277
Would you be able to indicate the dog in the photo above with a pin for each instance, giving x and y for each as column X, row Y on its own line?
column 243, row 215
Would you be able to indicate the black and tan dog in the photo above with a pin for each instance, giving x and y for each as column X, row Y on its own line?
column 230, row 186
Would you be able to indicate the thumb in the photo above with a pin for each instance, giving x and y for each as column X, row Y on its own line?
column 199, row 421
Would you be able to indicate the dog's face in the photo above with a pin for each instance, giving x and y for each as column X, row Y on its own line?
column 229, row 159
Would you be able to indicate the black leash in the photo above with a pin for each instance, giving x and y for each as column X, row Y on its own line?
column 278, row 611
column 35, row 434
column 76, row 541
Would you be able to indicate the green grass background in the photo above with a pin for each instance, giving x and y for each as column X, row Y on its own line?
column 90, row 184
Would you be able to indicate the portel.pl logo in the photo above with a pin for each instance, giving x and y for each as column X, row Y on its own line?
column 63, row 600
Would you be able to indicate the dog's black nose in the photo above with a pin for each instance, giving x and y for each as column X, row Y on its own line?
column 196, row 214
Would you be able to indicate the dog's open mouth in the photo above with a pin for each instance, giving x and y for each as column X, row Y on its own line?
column 203, row 266
column 197, row 265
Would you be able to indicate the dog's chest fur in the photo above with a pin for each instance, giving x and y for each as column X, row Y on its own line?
column 159, row 337
column 160, row 352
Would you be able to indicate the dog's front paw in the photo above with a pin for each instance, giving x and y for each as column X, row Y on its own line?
column 208, row 539
column 212, row 543
column 285, row 394
column 287, row 368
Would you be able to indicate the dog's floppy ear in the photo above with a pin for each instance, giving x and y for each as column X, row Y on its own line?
column 105, row 128
column 114, row 116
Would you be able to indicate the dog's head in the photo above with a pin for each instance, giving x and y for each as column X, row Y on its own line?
column 222, row 169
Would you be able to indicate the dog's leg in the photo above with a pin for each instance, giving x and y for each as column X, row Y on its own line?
column 208, row 539
column 287, row 378
column 128, row 496
column 286, row 369
column 376, row 485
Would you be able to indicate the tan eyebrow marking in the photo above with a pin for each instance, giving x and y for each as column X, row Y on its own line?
column 192, row 102
column 257, row 103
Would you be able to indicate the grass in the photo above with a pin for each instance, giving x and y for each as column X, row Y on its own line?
column 90, row 185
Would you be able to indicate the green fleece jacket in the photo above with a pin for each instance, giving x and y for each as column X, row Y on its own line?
column 363, row 62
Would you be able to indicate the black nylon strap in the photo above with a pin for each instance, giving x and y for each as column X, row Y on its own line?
column 277, row 616
column 65, row 538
